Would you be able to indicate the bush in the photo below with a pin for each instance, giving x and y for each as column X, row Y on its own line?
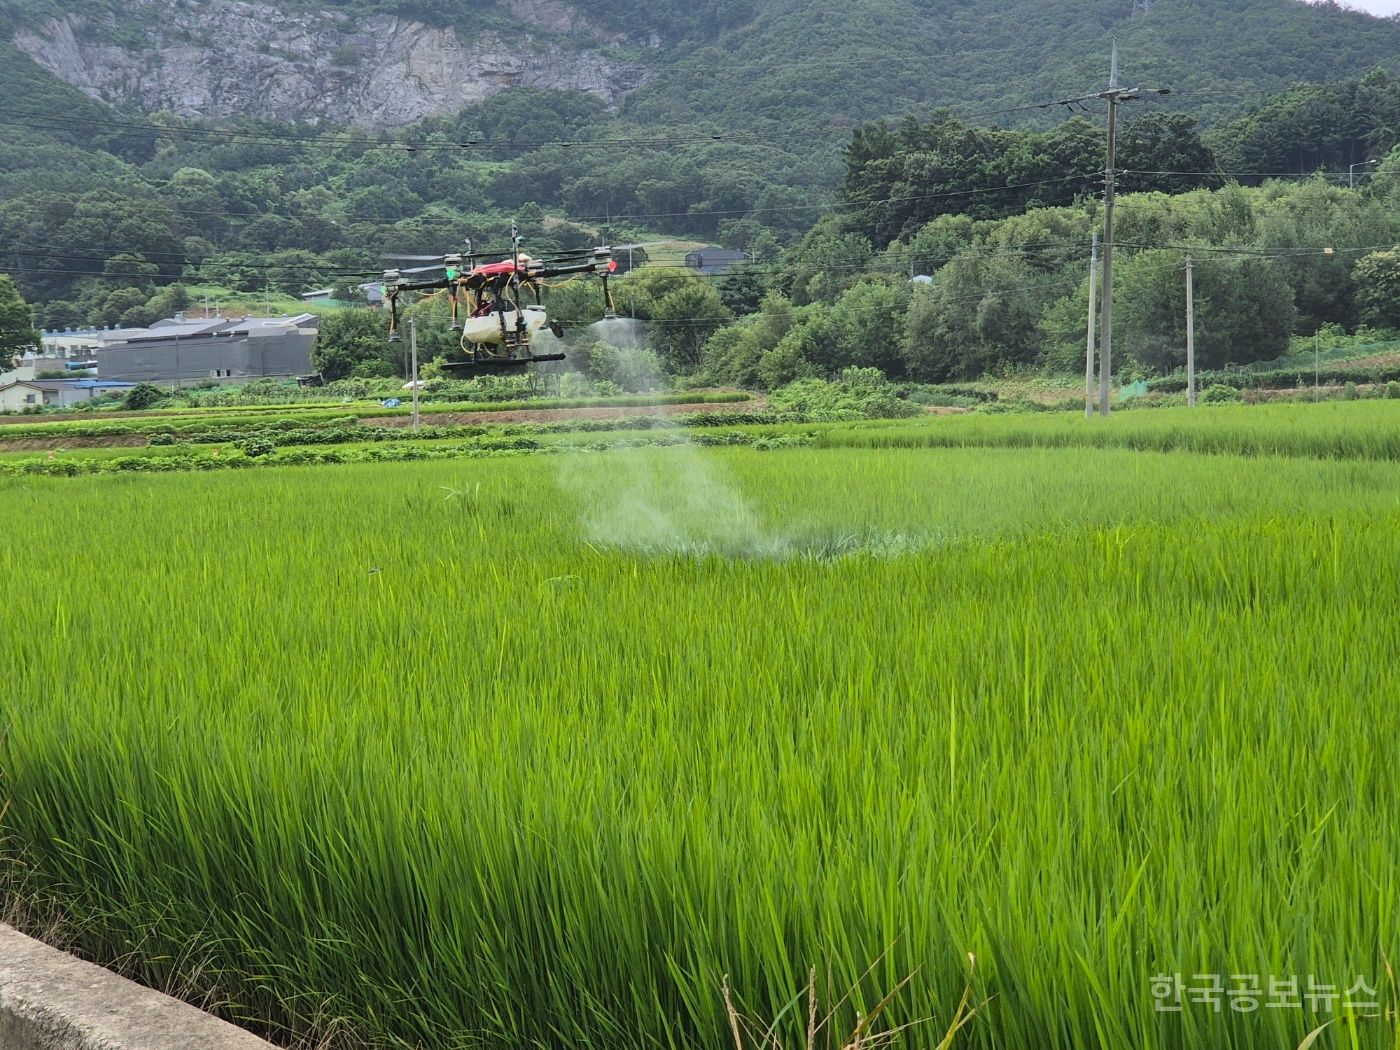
column 860, row 393
column 143, row 396
column 1392, row 389
column 255, row 447
column 1219, row 394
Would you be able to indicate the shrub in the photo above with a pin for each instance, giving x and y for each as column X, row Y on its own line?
column 143, row 396
column 860, row 393
column 1219, row 394
column 255, row 447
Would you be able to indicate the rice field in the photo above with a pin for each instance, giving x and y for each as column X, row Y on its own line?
column 1335, row 429
column 536, row 752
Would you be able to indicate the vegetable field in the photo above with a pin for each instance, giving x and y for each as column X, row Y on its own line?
column 533, row 752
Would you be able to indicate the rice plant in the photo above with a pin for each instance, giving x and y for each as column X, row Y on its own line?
column 535, row 752
column 1340, row 430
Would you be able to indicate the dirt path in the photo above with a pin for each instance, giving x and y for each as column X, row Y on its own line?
column 552, row 415
column 44, row 444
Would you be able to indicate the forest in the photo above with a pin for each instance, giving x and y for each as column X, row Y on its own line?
column 105, row 217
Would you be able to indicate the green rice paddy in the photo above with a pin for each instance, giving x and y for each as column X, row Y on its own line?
column 533, row 752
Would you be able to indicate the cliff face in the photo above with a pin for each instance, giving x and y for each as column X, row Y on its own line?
column 248, row 58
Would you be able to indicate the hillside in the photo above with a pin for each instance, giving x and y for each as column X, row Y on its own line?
column 271, row 148
column 762, row 64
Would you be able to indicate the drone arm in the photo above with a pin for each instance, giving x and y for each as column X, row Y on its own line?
column 424, row 286
column 564, row 271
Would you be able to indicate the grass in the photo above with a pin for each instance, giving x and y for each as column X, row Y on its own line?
column 260, row 304
column 1341, row 429
column 535, row 752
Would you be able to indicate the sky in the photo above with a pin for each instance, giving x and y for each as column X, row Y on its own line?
column 1376, row 7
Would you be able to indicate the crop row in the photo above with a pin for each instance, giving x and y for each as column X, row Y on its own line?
column 322, row 414
column 255, row 452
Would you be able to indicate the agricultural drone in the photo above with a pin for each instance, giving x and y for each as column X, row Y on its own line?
column 497, row 306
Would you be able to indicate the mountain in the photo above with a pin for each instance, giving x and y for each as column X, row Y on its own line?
column 282, row 144
column 221, row 61
column 738, row 63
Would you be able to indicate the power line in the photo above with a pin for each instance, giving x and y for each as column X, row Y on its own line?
column 44, row 122
column 1253, row 174
column 623, row 217
column 972, row 251
column 173, row 259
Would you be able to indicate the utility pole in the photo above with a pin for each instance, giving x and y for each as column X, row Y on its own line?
column 1110, row 181
column 413, row 349
column 1093, row 311
column 1317, row 365
column 1114, row 96
column 1110, row 186
column 1190, row 334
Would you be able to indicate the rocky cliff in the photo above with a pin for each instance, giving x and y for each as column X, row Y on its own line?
column 249, row 59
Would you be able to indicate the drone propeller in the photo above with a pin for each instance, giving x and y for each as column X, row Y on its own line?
column 413, row 258
column 425, row 269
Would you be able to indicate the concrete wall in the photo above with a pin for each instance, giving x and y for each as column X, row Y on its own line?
column 52, row 1001
column 202, row 358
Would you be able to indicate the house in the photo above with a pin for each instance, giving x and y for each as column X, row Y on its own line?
column 711, row 262
column 181, row 353
column 21, row 394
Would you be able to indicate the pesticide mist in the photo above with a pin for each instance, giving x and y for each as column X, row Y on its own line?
column 624, row 333
column 682, row 499
column 665, row 501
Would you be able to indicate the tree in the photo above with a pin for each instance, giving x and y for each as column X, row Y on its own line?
column 119, row 303
column 17, row 332
column 1377, row 278
column 1160, row 143
column 863, row 329
column 1063, row 332
column 978, row 313
column 734, row 354
column 743, row 287
column 354, row 342
column 1297, row 219
column 1244, row 310
column 827, row 262
column 683, row 321
column 143, row 396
